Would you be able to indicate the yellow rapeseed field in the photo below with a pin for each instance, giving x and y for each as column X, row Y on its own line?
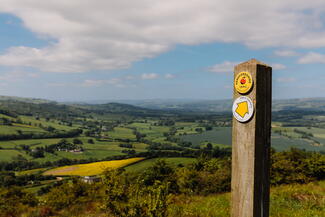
column 91, row 169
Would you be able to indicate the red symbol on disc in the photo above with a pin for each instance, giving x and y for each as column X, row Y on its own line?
column 243, row 80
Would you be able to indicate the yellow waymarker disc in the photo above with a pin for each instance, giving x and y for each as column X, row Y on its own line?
column 243, row 82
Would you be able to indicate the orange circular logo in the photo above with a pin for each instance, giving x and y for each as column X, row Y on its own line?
column 243, row 82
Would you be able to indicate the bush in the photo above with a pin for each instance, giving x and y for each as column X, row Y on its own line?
column 77, row 141
column 69, row 194
column 124, row 197
column 13, row 201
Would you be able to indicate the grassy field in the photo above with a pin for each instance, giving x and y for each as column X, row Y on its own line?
column 281, row 143
column 33, row 125
column 13, row 129
column 121, row 133
column 142, row 165
column 286, row 201
column 222, row 135
column 184, row 128
column 219, row 135
column 152, row 132
column 98, row 150
column 9, row 155
column 91, row 169
column 29, row 172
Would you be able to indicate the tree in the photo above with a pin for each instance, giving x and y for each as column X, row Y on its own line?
column 77, row 141
column 14, row 201
column 209, row 146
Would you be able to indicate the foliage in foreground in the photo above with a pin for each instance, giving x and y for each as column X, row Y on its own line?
column 163, row 190
column 295, row 200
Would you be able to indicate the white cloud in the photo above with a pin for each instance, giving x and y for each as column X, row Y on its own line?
column 286, row 53
column 169, row 76
column 94, row 83
column 57, row 84
column 312, row 57
column 226, row 66
column 149, row 76
column 116, row 82
column 13, row 76
column 103, row 35
column 286, row 79
column 129, row 77
column 278, row 66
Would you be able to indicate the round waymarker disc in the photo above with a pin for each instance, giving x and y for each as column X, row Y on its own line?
column 243, row 109
column 243, row 82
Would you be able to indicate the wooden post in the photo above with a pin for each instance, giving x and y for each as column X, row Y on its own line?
column 251, row 140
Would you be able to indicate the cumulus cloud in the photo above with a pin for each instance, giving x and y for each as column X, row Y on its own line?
column 94, row 83
column 312, row 57
column 226, row 66
column 169, row 76
column 149, row 76
column 278, row 66
column 103, row 35
column 286, row 53
column 286, row 79
column 13, row 76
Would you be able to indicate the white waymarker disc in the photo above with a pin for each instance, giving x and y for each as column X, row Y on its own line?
column 243, row 109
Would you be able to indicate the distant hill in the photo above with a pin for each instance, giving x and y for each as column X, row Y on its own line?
column 159, row 106
column 25, row 99
column 120, row 108
column 47, row 108
column 306, row 104
column 310, row 104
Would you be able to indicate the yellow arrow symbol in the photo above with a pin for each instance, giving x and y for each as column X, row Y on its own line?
column 242, row 108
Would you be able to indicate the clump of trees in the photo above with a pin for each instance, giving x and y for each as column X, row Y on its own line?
column 11, row 179
column 14, row 201
column 296, row 166
column 47, row 135
column 125, row 145
column 64, row 145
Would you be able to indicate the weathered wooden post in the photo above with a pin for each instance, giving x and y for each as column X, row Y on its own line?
column 251, row 139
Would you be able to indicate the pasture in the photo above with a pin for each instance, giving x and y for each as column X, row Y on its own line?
column 142, row 165
column 150, row 130
column 288, row 139
column 121, row 133
column 99, row 150
column 9, row 155
column 15, row 128
column 219, row 135
column 46, row 123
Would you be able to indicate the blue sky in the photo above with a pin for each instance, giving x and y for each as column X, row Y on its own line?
column 82, row 51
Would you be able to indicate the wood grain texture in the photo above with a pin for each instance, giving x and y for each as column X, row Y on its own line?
column 251, row 146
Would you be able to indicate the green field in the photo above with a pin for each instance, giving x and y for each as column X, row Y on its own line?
column 52, row 122
column 138, row 167
column 98, row 150
column 150, row 130
column 9, row 155
column 8, row 130
column 219, row 135
column 121, row 133
column 222, row 135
